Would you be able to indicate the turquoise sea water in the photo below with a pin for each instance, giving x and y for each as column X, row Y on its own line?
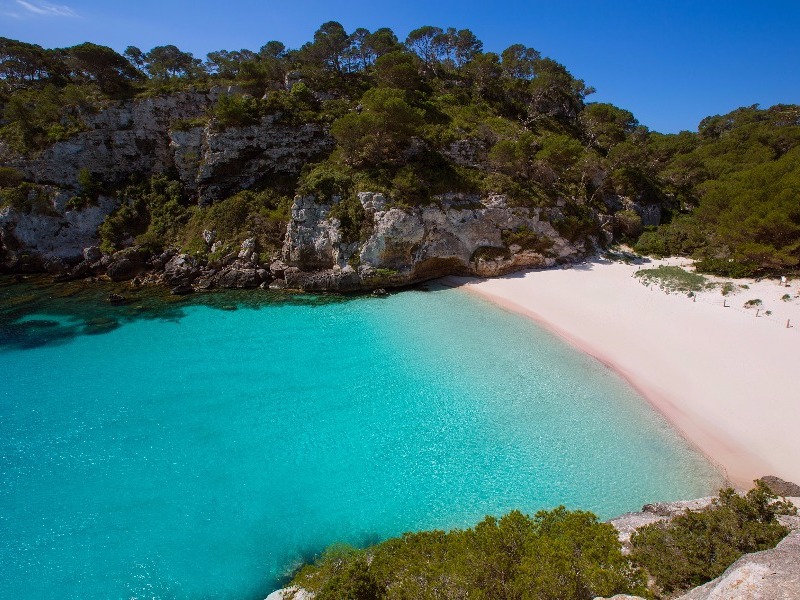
column 195, row 452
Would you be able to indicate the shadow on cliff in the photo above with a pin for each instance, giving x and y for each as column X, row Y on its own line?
column 588, row 264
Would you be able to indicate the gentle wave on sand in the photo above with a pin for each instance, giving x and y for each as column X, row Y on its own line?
column 725, row 375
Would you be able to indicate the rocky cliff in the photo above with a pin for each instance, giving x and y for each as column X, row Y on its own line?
column 398, row 246
column 173, row 133
column 357, row 243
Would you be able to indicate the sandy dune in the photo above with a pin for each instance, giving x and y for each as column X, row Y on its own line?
column 728, row 380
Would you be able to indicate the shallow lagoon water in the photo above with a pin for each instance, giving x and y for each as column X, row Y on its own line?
column 202, row 447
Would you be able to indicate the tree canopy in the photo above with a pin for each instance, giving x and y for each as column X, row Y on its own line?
column 437, row 113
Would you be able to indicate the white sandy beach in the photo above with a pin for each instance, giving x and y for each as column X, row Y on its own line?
column 728, row 380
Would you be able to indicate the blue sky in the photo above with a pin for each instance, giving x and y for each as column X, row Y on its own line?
column 670, row 63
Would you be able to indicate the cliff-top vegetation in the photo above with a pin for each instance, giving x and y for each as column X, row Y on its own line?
column 437, row 113
column 554, row 555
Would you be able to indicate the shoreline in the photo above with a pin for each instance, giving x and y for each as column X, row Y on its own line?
column 706, row 367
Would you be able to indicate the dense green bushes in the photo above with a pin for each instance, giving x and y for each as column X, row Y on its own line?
column 37, row 118
column 743, row 176
column 528, row 240
column 26, row 197
column 151, row 212
column 157, row 214
column 381, row 132
column 698, row 546
column 556, row 554
column 261, row 215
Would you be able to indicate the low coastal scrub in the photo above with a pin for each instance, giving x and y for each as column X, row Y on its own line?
column 527, row 239
column 261, row 215
column 673, row 279
column 555, row 555
column 151, row 212
column 698, row 546
column 157, row 214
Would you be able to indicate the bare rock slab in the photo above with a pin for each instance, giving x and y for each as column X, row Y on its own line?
column 768, row 575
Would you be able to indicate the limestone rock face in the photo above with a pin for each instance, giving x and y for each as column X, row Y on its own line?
column 238, row 157
column 146, row 137
column 51, row 230
column 459, row 234
column 768, row 575
column 119, row 141
column 312, row 240
column 181, row 269
column 781, row 487
column 291, row 593
column 143, row 138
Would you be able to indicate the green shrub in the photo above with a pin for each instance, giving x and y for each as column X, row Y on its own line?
column 408, row 188
column 527, row 239
column 10, row 177
column 152, row 212
column 16, row 197
column 25, row 198
column 352, row 219
column 37, row 118
column 237, row 111
column 89, row 191
column 726, row 267
column 652, row 243
column 681, row 237
column 577, row 223
column 628, row 224
column 326, row 180
column 262, row 215
column 381, row 133
column 187, row 124
column 490, row 253
column 557, row 554
column 673, row 279
column 341, row 573
column 698, row 546
column 753, row 302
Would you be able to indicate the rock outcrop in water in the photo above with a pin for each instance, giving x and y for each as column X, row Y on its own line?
column 459, row 234
column 394, row 246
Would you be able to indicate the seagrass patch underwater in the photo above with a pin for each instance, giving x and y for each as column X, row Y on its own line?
column 201, row 447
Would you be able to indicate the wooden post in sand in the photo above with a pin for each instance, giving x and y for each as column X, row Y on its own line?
column 758, row 309
column 725, row 303
column 788, row 321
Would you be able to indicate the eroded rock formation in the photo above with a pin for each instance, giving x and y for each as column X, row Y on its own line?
column 458, row 234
